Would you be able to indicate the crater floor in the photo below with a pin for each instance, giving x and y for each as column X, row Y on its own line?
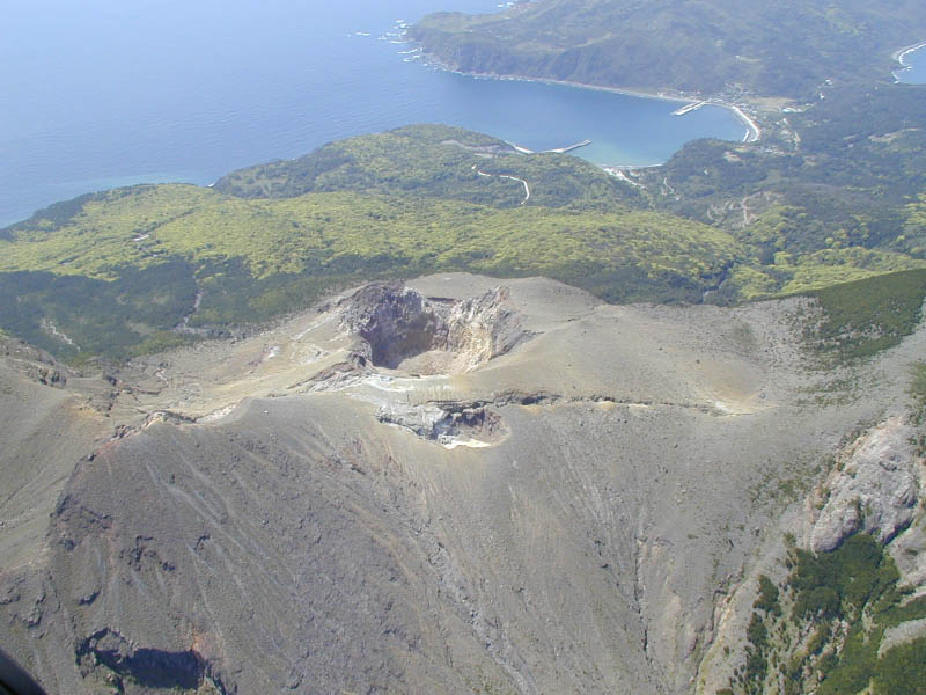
column 451, row 486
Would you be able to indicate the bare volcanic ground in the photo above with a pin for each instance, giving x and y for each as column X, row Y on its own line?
column 449, row 487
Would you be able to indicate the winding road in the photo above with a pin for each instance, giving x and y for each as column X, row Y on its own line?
column 527, row 188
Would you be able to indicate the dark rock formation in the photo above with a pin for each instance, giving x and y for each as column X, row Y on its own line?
column 143, row 669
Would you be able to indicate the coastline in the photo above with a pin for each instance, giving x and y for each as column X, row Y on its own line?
column 902, row 53
column 899, row 55
column 753, row 134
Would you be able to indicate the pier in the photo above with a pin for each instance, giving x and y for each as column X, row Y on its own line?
column 694, row 106
column 568, row 148
column 555, row 150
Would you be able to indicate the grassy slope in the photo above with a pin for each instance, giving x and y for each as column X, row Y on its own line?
column 113, row 273
column 866, row 316
column 842, row 203
column 433, row 161
column 813, row 239
column 142, row 227
column 783, row 48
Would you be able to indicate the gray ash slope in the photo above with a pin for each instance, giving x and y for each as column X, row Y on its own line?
column 270, row 514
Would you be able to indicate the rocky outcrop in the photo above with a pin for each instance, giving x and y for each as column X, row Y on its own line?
column 114, row 660
column 873, row 488
column 401, row 329
column 560, row 519
column 447, row 423
column 34, row 364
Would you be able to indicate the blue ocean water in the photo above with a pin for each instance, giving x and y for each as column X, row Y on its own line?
column 103, row 93
column 916, row 64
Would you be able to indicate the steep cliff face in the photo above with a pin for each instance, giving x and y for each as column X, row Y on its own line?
column 555, row 500
column 874, row 487
column 837, row 592
column 401, row 329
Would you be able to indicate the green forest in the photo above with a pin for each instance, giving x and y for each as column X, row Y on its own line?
column 786, row 49
column 115, row 273
column 822, row 630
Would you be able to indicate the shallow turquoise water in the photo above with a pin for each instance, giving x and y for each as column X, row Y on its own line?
column 105, row 92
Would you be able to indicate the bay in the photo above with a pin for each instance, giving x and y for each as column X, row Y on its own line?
column 914, row 63
column 105, row 93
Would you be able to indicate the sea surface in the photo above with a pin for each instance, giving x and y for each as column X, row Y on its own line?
column 103, row 93
column 916, row 63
